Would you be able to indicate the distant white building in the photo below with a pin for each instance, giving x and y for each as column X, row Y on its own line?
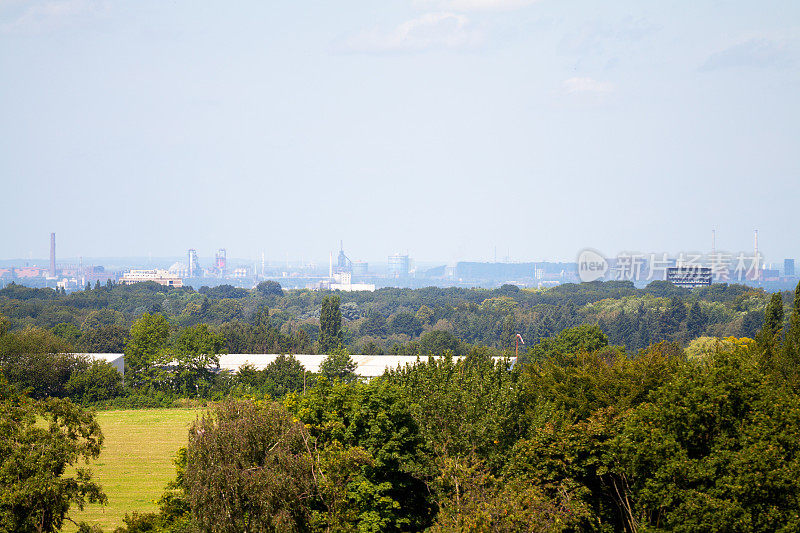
column 162, row 277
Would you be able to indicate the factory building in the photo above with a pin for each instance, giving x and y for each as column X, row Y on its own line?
column 689, row 277
column 398, row 266
column 360, row 268
column 162, row 277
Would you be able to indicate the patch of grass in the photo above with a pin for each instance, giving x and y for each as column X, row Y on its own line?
column 136, row 462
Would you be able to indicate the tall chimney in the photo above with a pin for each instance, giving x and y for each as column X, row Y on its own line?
column 757, row 266
column 713, row 242
column 52, row 255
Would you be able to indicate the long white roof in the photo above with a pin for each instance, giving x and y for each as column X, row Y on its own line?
column 367, row 366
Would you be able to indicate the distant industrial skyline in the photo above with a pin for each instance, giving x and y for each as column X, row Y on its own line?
column 316, row 257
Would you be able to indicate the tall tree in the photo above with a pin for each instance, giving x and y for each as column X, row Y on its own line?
column 773, row 316
column 793, row 333
column 41, row 442
column 149, row 336
column 196, row 353
column 330, row 324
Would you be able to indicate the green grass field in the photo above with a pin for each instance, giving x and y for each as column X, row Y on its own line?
column 136, row 461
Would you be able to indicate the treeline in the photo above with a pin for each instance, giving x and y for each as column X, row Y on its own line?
column 267, row 319
column 579, row 435
column 162, row 366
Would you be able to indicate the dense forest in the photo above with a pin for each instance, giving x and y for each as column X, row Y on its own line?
column 699, row 430
column 391, row 321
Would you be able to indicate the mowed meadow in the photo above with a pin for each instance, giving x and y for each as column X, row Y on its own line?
column 136, row 462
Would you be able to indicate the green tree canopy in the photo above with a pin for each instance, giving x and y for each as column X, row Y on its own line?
column 338, row 365
column 40, row 443
column 149, row 337
column 330, row 324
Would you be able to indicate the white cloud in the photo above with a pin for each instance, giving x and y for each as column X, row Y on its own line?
column 487, row 5
column 431, row 30
column 586, row 86
column 755, row 53
column 52, row 13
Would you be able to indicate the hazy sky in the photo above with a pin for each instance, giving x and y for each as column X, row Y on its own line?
column 440, row 127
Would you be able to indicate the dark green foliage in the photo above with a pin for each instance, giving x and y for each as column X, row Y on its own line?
column 193, row 360
column 36, row 491
column 37, row 361
column 70, row 333
column 773, row 316
column 717, row 449
column 405, row 323
column 105, row 339
column 149, row 336
column 438, row 342
column 330, row 325
column 473, row 316
column 374, row 326
column 338, row 366
column 283, row 375
column 369, row 446
column 99, row 382
column 224, row 291
column 583, row 339
column 269, row 288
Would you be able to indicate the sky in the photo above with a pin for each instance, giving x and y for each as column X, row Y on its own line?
column 447, row 129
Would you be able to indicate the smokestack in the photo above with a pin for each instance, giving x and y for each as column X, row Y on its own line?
column 52, row 255
column 330, row 267
column 713, row 241
column 756, row 266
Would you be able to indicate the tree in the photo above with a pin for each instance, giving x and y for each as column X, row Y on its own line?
column 695, row 321
column 99, row 382
column 406, row 324
column 5, row 325
column 424, row 314
column 105, row 339
column 149, row 336
column 792, row 343
column 284, row 375
column 374, row 325
column 40, row 441
column 773, row 316
column 196, row 354
column 339, row 365
column 717, row 449
column 67, row 331
column 37, row 361
column 269, row 288
column 330, row 324
column 224, row 291
column 249, row 469
column 586, row 338
column 437, row 342
column 369, row 447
